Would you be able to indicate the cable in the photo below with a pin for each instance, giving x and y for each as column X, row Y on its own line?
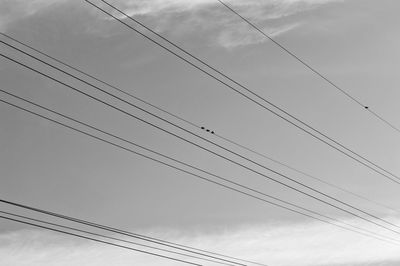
column 308, row 66
column 98, row 240
column 134, row 235
column 110, row 238
column 251, row 92
column 112, row 135
column 232, row 152
column 165, row 156
column 235, row 82
column 197, row 126
column 203, row 178
column 203, row 148
column 99, row 80
column 307, row 175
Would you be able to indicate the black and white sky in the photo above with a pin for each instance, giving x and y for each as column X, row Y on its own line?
column 353, row 42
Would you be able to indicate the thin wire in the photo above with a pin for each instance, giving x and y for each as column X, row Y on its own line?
column 248, row 90
column 306, row 174
column 111, row 238
column 98, row 240
column 138, row 236
column 206, row 149
column 197, row 126
column 383, row 238
column 99, row 80
column 315, row 71
column 167, row 157
column 119, row 138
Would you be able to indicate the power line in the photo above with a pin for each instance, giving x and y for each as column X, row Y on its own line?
column 160, row 154
column 197, row 176
column 112, row 238
column 251, row 92
column 308, row 66
column 2, row 217
column 133, row 235
column 197, row 126
column 98, row 240
column 132, row 143
column 99, row 80
column 227, row 149
column 206, row 149
column 125, row 233
column 217, row 154
column 307, row 174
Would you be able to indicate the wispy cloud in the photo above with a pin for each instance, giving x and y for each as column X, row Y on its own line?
column 14, row 10
column 241, row 36
column 303, row 244
column 183, row 18
column 277, row 8
column 222, row 28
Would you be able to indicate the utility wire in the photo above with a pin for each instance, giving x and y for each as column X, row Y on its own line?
column 199, row 146
column 114, row 238
column 170, row 158
column 199, row 127
column 251, row 92
column 307, row 174
column 111, row 238
column 97, row 240
column 240, row 85
column 308, row 66
column 165, row 120
column 374, row 235
column 206, row 149
column 99, row 80
column 134, row 235
column 224, row 148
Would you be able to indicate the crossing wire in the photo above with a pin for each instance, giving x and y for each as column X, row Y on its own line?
column 308, row 66
column 97, row 240
column 321, row 180
column 215, row 153
column 112, row 238
column 198, row 126
column 394, row 177
column 203, row 148
column 368, row 233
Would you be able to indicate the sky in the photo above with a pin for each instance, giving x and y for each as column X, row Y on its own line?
column 353, row 42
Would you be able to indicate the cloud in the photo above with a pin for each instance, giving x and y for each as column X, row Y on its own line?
column 278, row 8
column 188, row 19
column 240, row 36
column 302, row 244
column 213, row 20
column 14, row 10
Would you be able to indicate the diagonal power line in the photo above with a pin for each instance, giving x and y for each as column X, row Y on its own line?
column 198, row 126
column 208, row 150
column 321, row 180
column 97, row 240
column 309, row 67
column 245, row 193
column 114, row 238
column 204, row 139
column 310, row 131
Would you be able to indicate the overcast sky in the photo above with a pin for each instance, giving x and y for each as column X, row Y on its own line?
column 353, row 42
